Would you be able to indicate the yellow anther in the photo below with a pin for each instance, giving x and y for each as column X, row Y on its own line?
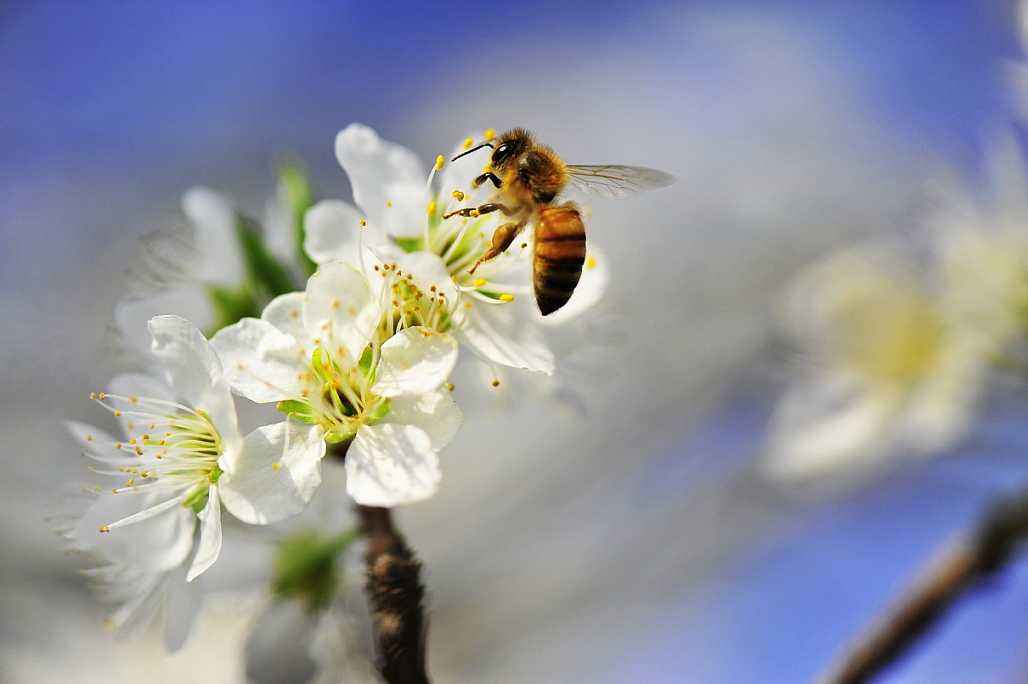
column 458, row 195
column 489, row 134
column 336, row 304
column 389, row 203
column 467, row 305
column 92, row 395
column 468, row 142
column 479, row 282
column 431, row 207
column 449, row 386
column 104, row 529
column 590, row 262
column 495, row 382
column 506, row 297
column 439, row 161
column 276, row 465
column 117, row 413
column 89, row 438
column 103, row 395
column 364, row 223
column 139, row 451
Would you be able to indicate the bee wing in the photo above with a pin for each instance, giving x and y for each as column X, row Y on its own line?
column 616, row 181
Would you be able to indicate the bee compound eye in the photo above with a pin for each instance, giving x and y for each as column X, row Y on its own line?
column 501, row 153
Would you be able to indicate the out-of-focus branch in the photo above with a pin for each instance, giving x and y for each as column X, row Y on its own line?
column 960, row 568
column 397, row 597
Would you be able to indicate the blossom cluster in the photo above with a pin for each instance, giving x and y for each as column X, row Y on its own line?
column 356, row 364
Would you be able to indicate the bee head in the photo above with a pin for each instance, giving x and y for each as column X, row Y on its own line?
column 510, row 147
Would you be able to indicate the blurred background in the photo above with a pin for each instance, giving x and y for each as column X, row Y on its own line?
column 623, row 536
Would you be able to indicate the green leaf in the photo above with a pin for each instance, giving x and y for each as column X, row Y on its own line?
column 263, row 271
column 231, row 305
column 299, row 196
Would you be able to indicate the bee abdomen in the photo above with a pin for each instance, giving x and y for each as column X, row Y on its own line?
column 559, row 255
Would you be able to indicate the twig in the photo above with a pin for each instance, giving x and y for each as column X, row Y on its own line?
column 397, row 597
column 960, row 568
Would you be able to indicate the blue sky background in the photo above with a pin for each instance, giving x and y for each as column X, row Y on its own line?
column 112, row 109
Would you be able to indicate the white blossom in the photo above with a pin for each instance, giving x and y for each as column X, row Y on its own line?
column 362, row 363
column 401, row 207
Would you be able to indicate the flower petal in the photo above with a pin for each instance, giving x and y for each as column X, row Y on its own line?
column 505, row 334
column 209, row 548
column 389, row 465
column 333, row 228
column 339, row 309
column 194, row 372
column 414, row 361
column 182, row 603
column 262, row 363
column 285, row 312
column 276, row 474
column 434, row 412
column 375, row 168
column 214, row 223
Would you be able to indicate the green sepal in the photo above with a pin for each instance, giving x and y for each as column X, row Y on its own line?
column 409, row 244
column 299, row 197
column 297, row 410
column 197, row 499
column 335, row 436
column 306, row 567
column 380, row 411
column 231, row 305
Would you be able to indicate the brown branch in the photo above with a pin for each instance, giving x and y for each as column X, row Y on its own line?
column 397, row 598
column 960, row 568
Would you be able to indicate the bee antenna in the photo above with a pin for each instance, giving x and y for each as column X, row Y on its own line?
column 476, row 147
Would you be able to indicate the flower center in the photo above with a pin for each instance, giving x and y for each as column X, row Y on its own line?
column 338, row 396
column 174, row 445
column 407, row 305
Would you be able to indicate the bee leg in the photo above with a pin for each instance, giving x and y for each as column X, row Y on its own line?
column 502, row 237
column 482, row 209
column 487, row 176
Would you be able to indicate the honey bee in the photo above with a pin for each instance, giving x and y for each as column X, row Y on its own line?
column 529, row 179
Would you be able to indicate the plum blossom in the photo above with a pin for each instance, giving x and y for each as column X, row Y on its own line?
column 400, row 208
column 363, row 364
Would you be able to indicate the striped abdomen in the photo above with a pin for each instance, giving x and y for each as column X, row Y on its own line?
column 559, row 255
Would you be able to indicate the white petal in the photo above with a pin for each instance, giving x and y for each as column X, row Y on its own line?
column 339, row 309
column 155, row 544
column 332, row 231
column 506, row 334
column 261, row 362
column 194, row 372
column 214, row 222
column 210, row 535
column 414, row 361
column 435, row 412
column 406, row 211
column 429, row 271
column 589, row 291
column 274, row 478
column 389, row 465
column 285, row 312
column 182, row 602
column 374, row 166
column 830, row 427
